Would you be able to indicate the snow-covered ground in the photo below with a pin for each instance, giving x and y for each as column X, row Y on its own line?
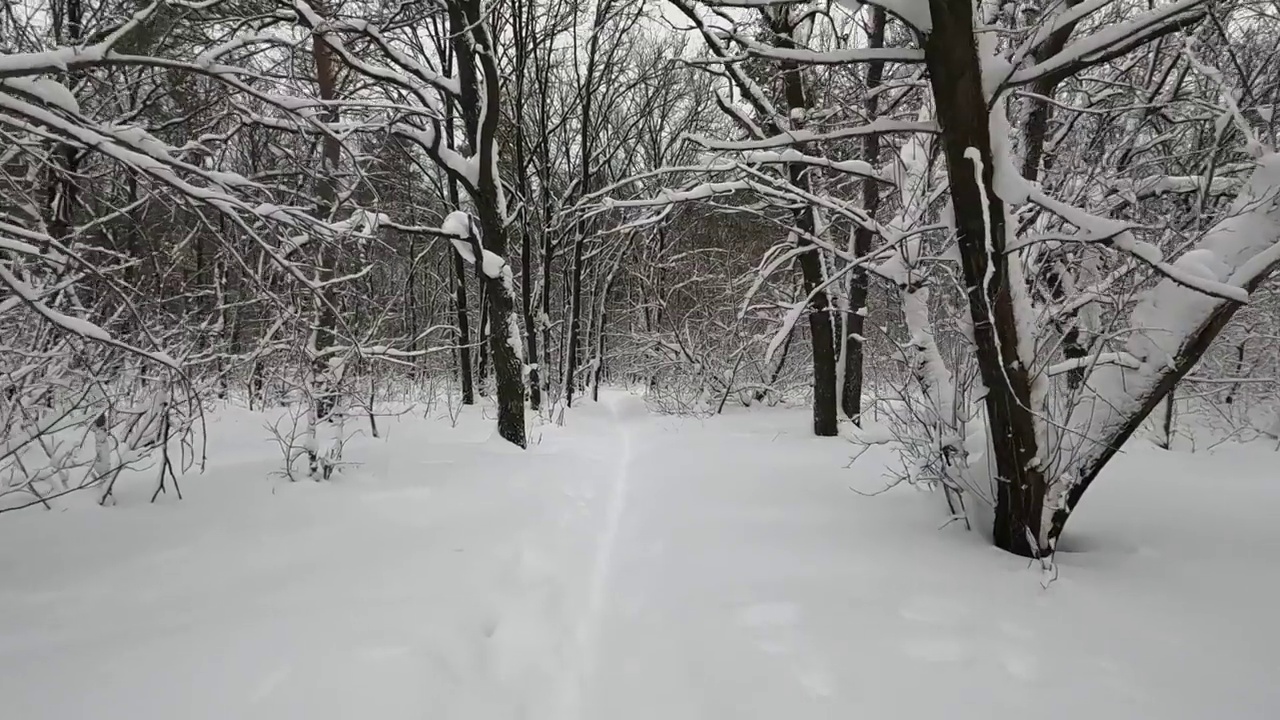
column 635, row 566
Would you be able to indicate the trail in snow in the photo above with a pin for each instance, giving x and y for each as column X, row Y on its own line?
column 586, row 633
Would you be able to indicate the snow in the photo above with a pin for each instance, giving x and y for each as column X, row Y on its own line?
column 34, row 298
column 46, row 90
column 457, row 224
column 17, row 246
column 493, row 264
column 791, row 155
column 1219, row 269
column 796, row 137
column 835, row 57
column 631, row 566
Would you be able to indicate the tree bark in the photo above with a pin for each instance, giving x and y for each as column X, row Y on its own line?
column 482, row 339
column 464, row 317
column 1036, row 136
column 481, row 98
column 855, row 320
column 821, row 332
column 324, row 390
column 586, row 145
column 521, row 32
column 956, row 79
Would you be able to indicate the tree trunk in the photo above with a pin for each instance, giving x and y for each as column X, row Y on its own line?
column 821, row 332
column 575, row 316
column 1036, row 134
column 520, row 30
column 1239, row 371
column 482, row 368
column 324, row 384
column 480, row 100
column 464, row 319
column 1167, row 425
column 954, row 73
column 855, row 320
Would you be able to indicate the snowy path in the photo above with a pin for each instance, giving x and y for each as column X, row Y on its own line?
column 634, row 567
column 581, row 668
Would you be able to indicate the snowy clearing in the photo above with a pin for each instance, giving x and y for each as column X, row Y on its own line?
column 634, row 566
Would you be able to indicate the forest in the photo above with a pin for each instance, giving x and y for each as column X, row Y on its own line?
column 1021, row 229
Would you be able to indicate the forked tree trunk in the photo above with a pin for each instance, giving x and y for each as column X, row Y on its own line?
column 1255, row 220
column 481, row 97
column 1122, row 397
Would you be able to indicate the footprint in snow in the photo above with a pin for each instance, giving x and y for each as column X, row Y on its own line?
column 779, row 614
column 815, row 681
column 776, row 622
column 1020, row 665
column 933, row 610
column 935, row 650
column 270, row 683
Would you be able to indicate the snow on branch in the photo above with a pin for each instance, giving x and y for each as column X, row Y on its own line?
column 1158, row 185
column 751, row 90
column 462, row 231
column 796, row 137
column 1173, row 323
column 860, row 168
column 1113, row 41
column 701, row 191
column 62, row 59
column 845, row 56
column 1095, row 229
column 1122, row 359
column 33, row 298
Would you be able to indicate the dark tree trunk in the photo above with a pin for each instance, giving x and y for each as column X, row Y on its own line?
column 63, row 190
column 520, row 31
column 575, row 316
column 324, row 390
column 1239, row 372
column 545, row 299
column 482, row 368
column 464, row 321
column 479, row 74
column 530, row 325
column 855, row 322
column 598, row 371
column 548, row 248
column 463, row 354
column 1036, row 133
column 952, row 60
column 821, row 332
column 1167, row 426
column 586, row 146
